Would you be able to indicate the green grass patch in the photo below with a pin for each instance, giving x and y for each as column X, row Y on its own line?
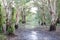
column 3, row 37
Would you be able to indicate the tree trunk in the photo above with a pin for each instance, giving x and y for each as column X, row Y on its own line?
column 23, row 19
column 7, row 13
column 52, row 9
column 43, row 17
column 9, row 17
column 53, row 23
column 52, row 27
column 17, row 19
column 43, row 13
column 23, row 16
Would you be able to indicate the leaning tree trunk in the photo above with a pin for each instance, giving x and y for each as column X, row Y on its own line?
column 17, row 19
column 52, row 9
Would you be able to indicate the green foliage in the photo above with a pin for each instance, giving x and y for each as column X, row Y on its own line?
column 58, row 8
column 13, row 19
column 1, row 21
column 29, row 15
column 1, row 29
column 23, row 2
column 11, row 29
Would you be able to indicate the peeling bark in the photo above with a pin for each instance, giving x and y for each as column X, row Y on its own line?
column 9, row 17
column 17, row 19
column 7, row 13
column 52, row 9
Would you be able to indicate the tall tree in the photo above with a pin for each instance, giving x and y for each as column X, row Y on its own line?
column 17, row 17
column 43, row 13
column 9, row 16
column 23, row 15
column 41, row 10
column 5, row 4
column 52, row 10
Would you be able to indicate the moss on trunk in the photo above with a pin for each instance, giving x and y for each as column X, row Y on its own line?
column 1, row 21
column 10, row 25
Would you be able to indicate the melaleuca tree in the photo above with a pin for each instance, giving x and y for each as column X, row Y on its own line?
column 5, row 4
column 9, row 17
column 52, row 10
column 11, row 29
column 23, row 14
column 17, row 18
column 43, row 13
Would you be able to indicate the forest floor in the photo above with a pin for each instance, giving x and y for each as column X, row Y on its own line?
column 37, row 33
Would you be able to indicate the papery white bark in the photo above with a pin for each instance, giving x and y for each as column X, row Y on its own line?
column 17, row 16
column 52, row 10
column 7, row 10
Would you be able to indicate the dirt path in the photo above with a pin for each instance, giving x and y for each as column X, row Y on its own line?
column 34, row 34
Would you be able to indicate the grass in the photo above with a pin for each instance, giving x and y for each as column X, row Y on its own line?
column 3, row 37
